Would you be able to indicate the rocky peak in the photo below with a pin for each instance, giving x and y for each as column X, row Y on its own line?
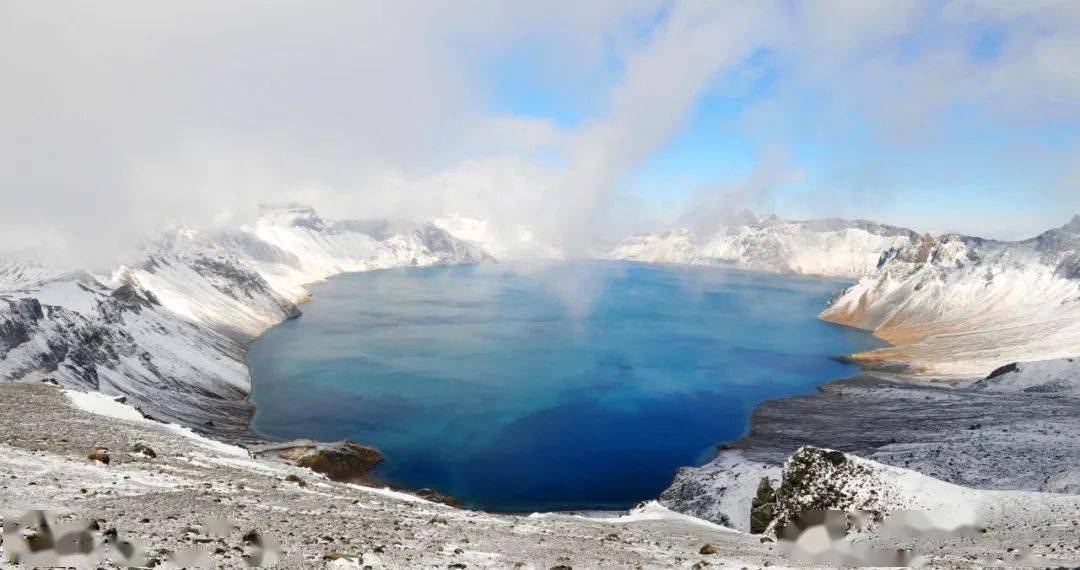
column 1073, row 226
column 925, row 248
column 295, row 215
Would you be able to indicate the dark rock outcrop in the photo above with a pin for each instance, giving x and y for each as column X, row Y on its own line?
column 341, row 461
column 763, row 508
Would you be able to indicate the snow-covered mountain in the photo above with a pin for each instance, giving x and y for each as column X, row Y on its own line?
column 952, row 305
column 175, row 318
column 514, row 241
column 828, row 247
column 962, row 306
column 168, row 328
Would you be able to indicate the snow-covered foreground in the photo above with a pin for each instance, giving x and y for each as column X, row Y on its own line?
column 1013, row 432
column 169, row 328
column 200, row 498
column 164, row 503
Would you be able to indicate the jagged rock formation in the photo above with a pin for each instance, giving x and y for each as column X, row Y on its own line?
column 169, row 327
column 900, row 517
column 1014, row 431
column 829, row 247
column 962, row 306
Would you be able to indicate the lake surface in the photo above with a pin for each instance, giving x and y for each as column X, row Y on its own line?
column 563, row 385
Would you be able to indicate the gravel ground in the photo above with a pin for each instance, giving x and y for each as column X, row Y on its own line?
column 172, row 502
column 163, row 503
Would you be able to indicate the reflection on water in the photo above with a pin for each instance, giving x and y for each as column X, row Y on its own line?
column 555, row 385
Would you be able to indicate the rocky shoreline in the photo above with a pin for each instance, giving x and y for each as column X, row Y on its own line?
column 967, row 434
column 161, row 495
column 199, row 496
column 169, row 332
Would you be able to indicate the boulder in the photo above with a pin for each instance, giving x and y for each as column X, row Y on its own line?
column 144, row 450
column 341, row 461
column 762, row 510
column 100, row 453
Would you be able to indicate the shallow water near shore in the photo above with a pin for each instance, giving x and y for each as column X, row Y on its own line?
column 561, row 385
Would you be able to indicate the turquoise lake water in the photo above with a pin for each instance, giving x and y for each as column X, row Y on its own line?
column 563, row 385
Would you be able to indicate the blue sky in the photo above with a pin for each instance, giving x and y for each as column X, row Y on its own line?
column 963, row 164
column 583, row 121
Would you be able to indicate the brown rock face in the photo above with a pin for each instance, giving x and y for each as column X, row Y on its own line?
column 925, row 249
column 100, row 453
column 341, row 461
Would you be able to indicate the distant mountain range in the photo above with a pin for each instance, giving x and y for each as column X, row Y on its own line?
column 168, row 328
column 951, row 305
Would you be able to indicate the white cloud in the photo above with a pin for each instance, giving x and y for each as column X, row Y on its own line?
column 122, row 117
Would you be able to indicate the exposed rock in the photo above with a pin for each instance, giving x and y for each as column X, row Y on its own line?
column 960, row 306
column 143, row 449
column 762, row 510
column 1025, row 440
column 190, row 292
column 436, row 497
column 100, row 453
column 819, row 480
column 341, row 461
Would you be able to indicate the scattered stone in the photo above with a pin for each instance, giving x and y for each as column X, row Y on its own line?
column 143, row 449
column 334, row 555
column 100, row 453
column 436, row 497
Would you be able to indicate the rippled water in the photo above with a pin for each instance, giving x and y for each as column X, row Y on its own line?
column 568, row 385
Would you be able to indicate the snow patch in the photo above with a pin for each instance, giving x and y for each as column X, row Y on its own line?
column 108, row 406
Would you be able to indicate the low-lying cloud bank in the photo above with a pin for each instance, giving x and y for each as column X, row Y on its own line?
column 124, row 118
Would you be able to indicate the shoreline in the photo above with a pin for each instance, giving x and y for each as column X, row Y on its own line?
column 962, row 434
column 745, row 444
column 309, row 296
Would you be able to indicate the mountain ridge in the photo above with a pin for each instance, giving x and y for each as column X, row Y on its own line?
column 168, row 327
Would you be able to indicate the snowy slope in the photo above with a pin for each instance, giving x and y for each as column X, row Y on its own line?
column 963, row 306
column 898, row 517
column 830, row 247
column 1050, row 377
column 169, row 328
column 16, row 273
